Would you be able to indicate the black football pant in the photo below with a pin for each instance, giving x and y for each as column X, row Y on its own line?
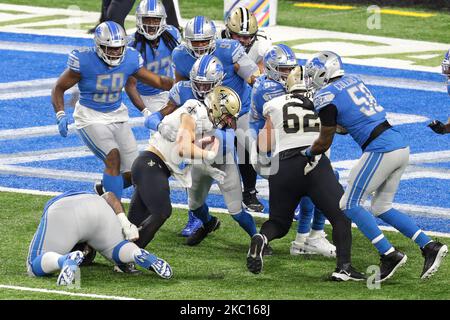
column 290, row 184
column 116, row 10
column 150, row 204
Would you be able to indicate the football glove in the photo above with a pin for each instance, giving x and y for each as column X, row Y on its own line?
column 63, row 123
column 437, row 126
column 168, row 132
column 130, row 231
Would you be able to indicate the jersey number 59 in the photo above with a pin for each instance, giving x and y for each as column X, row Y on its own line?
column 297, row 119
column 111, row 85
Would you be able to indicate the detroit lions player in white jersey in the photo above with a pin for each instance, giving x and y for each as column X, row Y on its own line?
column 436, row 125
column 155, row 40
column 99, row 221
column 100, row 116
column 241, row 25
column 164, row 158
column 240, row 71
column 346, row 101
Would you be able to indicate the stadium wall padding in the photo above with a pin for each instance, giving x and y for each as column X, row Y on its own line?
column 425, row 4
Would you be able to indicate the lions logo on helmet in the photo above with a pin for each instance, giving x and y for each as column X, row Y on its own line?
column 206, row 73
column 241, row 25
column 278, row 62
column 151, row 18
column 322, row 67
column 223, row 105
column 199, row 34
column 110, row 42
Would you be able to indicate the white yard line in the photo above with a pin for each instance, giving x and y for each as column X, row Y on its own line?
column 65, row 293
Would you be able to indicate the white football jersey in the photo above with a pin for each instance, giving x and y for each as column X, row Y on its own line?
column 294, row 126
column 259, row 47
column 181, row 167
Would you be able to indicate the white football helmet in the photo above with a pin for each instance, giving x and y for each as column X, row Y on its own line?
column 155, row 13
column 110, row 42
column 279, row 62
column 322, row 67
column 200, row 34
column 206, row 74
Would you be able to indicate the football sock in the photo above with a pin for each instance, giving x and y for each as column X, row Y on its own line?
column 301, row 237
column 202, row 213
column 113, row 184
column 406, row 226
column 318, row 220
column 306, row 213
column 246, row 222
column 46, row 263
column 368, row 226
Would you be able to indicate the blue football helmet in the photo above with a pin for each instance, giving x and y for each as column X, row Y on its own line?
column 200, row 36
column 206, row 74
column 446, row 64
column 110, row 42
column 279, row 62
column 322, row 67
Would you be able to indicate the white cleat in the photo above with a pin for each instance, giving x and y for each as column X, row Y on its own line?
column 67, row 275
column 320, row 245
column 298, row 248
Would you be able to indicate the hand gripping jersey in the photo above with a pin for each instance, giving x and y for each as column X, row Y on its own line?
column 358, row 112
column 157, row 60
column 101, row 85
column 176, row 164
column 258, row 48
column 263, row 91
column 228, row 52
column 294, row 121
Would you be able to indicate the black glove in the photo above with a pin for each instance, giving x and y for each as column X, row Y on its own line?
column 437, row 126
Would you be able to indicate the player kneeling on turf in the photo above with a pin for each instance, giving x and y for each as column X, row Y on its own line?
column 75, row 217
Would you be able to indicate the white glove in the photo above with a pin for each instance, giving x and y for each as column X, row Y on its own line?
column 310, row 166
column 130, row 231
column 168, row 132
column 215, row 173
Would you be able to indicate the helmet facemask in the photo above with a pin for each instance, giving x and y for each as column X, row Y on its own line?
column 246, row 40
column 113, row 56
column 151, row 27
column 223, row 106
column 201, row 47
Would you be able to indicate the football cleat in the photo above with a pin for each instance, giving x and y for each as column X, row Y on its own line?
column 320, row 245
column 298, row 248
column 251, row 202
column 255, row 253
column 268, row 251
column 67, row 275
column 76, row 256
column 346, row 273
column 203, row 231
column 162, row 268
column 390, row 263
column 129, row 268
column 433, row 253
column 98, row 188
column 192, row 225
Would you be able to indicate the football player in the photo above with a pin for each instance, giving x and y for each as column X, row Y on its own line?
column 240, row 71
column 100, row 116
column 241, row 25
column 346, row 101
column 206, row 74
column 164, row 158
column 99, row 221
column 290, row 127
column 279, row 60
column 436, row 125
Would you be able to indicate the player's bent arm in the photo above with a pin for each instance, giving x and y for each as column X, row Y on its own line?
column 153, row 121
column 113, row 202
column 265, row 136
column 327, row 115
column 135, row 97
column 186, row 141
column 130, row 231
column 154, row 80
column 65, row 81
column 179, row 77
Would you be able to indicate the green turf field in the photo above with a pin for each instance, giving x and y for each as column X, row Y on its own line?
column 354, row 21
column 215, row 269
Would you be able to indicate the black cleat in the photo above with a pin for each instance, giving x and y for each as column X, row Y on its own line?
column 346, row 273
column 98, row 188
column 128, row 268
column 433, row 253
column 203, row 231
column 251, row 202
column 268, row 251
column 390, row 263
column 255, row 253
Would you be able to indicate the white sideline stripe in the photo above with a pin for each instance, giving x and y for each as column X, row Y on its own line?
column 65, row 293
column 254, row 214
column 37, row 47
column 404, row 83
column 27, row 84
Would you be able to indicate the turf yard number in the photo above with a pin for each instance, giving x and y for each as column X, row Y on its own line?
column 292, row 122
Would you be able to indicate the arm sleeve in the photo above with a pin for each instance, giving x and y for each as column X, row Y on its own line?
column 328, row 115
